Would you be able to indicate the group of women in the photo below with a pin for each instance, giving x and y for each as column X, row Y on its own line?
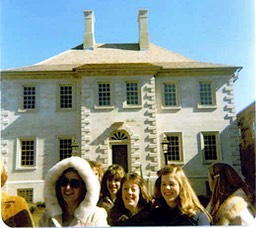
column 76, row 194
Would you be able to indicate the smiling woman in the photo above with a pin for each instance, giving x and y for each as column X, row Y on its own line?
column 71, row 193
column 176, row 201
column 133, row 203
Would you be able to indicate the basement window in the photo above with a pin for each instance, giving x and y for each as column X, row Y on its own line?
column 26, row 193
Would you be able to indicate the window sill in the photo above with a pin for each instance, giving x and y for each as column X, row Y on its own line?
column 132, row 106
column 172, row 108
column 175, row 162
column 26, row 168
column 206, row 107
column 104, row 107
column 27, row 110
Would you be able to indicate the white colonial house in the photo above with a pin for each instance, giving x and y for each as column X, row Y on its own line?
column 121, row 103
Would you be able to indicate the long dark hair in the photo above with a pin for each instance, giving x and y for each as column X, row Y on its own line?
column 226, row 181
column 58, row 191
column 113, row 171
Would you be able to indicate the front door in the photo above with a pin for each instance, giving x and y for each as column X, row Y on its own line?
column 119, row 155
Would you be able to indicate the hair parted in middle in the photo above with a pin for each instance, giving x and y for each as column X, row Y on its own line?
column 113, row 171
column 58, row 188
column 188, row 202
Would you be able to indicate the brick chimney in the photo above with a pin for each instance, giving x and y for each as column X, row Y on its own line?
column 143, row 30
column 89, row 30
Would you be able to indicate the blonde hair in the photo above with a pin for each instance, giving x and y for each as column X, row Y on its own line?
column 188, row 202
column 3, row 174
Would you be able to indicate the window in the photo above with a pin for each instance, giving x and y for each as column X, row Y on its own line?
column 210, row 146
column 170, row 94
column 65, row 149
column 104, row 94
column 27, row 153
column 206, row 97
column 132, row 93
column 29, row 97
column 174, row 153
column 26, row 193
column 66, row 96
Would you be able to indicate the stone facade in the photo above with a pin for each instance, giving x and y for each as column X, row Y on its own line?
column 100, row 130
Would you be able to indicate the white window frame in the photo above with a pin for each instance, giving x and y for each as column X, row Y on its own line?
column 181, row 153
column 213, row 95
column 177, row 94
column 218, row 148
column 97, row 106
column 21, row 98
column 59, row 85
column 132, row 106
column 18, row 153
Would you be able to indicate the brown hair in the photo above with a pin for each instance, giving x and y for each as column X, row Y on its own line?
column 113, row 171
column 145, row 198
column 226, row 181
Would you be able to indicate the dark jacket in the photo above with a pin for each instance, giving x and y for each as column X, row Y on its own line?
column 106, row 203
column 122, row 217
column 167, row 216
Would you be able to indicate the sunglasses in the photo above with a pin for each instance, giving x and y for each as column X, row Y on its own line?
column 73, row 183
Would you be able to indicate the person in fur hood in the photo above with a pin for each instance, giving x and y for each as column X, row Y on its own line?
column 230, row 203
column 71, row 193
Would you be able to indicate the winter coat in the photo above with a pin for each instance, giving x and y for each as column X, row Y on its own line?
column 15, row 211
column 167, row 216
column 235, row 210
column 122, row 217
column 87, row 213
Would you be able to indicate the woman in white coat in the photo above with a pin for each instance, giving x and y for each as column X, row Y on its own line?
column 230, row 202
column 71, row 193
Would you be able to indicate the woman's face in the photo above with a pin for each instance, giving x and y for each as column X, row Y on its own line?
column 130, row 195
column 170, row 189
column 113, row 185
column 72, row 188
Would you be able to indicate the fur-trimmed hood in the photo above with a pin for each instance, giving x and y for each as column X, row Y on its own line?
column 235, row 210
column 88, row 206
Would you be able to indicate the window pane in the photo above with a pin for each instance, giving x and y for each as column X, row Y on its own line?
column 170, row 95
column 66, row 96
column 173, row 148
column 104, row 94
column 65, row 148
column 132, row 94
column 27, row 152
column 26, row 193
column 29, row 97
column 210, row 147
column 205, row 93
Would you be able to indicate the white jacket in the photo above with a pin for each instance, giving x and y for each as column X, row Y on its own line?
column 235, row 210
column 87, row 213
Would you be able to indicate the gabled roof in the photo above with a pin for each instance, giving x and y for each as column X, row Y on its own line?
column 103, row 54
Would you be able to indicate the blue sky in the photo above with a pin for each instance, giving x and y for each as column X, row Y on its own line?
column 217, row 31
